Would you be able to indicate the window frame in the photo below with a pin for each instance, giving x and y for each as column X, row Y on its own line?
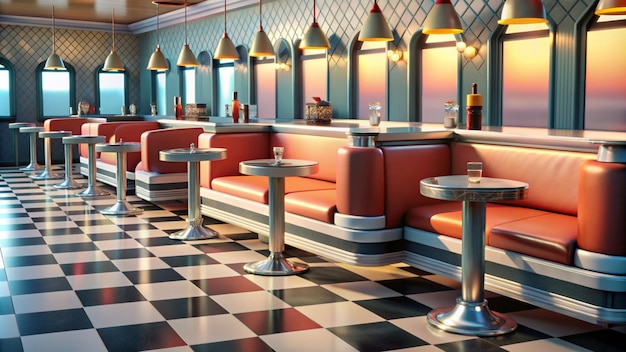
column 8, row 66
column 97, row 73
column 72, row 76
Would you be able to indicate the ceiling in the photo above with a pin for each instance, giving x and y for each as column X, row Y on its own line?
column 126, row 11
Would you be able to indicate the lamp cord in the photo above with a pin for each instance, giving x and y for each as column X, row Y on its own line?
column 54, row 40
column 314, row 16
column 186, row 23
column 113, row 27
column 224, row 16
column 261, row 15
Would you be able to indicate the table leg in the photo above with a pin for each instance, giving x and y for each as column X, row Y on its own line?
column 471, row 314
column 92, row 190
column 47, row 172
column 16, row 146
column 68, row 182
column 276, row 264
column 194, row 230
column 121, row 206
column 33, row 166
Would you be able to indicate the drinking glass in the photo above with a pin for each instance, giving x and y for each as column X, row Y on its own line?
column 278, row 154
column 474, row 171
column 374, row 113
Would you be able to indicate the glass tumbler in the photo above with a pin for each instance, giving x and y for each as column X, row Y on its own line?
column 374, row 113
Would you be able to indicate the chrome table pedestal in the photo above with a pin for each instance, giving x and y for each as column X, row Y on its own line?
column 92, row 190
column 68, row 181
column 471, row 314
column 15, row 126
column 33, row 131
column 276, row 264
column 47, row 172
column 121, row 206
column 193, row 156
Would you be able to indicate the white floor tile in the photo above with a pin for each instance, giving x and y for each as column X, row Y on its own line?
column 212, row 328
column 168, row 290
column 361, row 290
column 200, row 272
column 47, row 301
column 249, row 302
column 339, row 314
column 279, row 282
column 136, row 264
column 34, row 272
column 99, row 280
column 307, row 341
column 174, row 250
column 237, row 257
column 123, row 314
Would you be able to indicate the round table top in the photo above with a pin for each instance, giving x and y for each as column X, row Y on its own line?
column 457, row 187
column 192, row 154
column 31, row 129
column 126, row 147
column 18, row 125
column 288, row 167
column 83, row 139
column 54, row 134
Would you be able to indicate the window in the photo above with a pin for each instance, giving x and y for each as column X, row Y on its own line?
column 265, row 79
column 159, row 94
column 7, row 90
column 372, row 78
column 526, row 76
column 111, row 94
column 605, row 89
column 188, row 84
column 55, row 93
column 314, row 75
column 439, row 76
column 225, row 85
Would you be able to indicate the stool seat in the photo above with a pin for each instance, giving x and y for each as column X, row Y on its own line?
column 127, row 147
column 18, row 125
column 33, row 130
column 192, row 154
column 80, row 139
column 47, row 172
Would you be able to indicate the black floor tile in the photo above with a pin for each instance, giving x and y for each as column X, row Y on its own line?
column 395, row 307
column 189, row 260
column 377, row 337
column 140, row 337
column 109, row 295
column 276, row 321
column 23, row 287
column 188, row 307
column 88, row 268
column 151, row 276
column 305, row 296
column 253, row 344
column 53, row 321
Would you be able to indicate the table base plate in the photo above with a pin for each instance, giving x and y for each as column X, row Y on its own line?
column 121, row 208
column 471, row 319
column 275, row 265
column 197, row 232
column 92, row 191
column 46, row 175
column 68, row 184
column 32, row 167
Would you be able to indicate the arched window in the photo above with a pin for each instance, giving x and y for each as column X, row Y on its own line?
column 314, row 69
column 439, row 71
column 55, row 93
column 371, row 78
column 111, row 91
column 225, row 73
column 265, row 86
column 526, row 75
column 159, row 92
column 605, row 88
column 7, row 90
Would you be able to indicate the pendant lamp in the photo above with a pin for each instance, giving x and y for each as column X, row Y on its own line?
column 261, row 45
column 225, row 48
column 442, row 19
column 54, row 61
column 314, row 38
column 186, row 58
column 523, row 12
column 113, row 61
column 375, row 28
column 611, row 7
column 157, row 59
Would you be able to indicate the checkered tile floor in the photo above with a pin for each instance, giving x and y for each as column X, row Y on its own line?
column 72, row 279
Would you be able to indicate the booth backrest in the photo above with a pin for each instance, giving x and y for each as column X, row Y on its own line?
column 316, row 148
column 108, row 130
column 152, row 142
column 128, row 132
column 72, row 124
column 405, row 166
column 552, row 175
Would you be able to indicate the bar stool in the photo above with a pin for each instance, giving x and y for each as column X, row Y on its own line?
column 15, row 126
column 33, row 130
column 68, row 182
column 121, row 207
column 92, row 190
column 47, row 172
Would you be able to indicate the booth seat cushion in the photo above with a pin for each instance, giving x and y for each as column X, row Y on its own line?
column 446, row 218
column 318, row 205
column 255, row 188
column 550, row 236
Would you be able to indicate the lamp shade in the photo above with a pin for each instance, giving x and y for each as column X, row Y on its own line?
column 611, row 7
column 226, row 49
column 314, row 38
column 442, row 19
column 186, row 57
column 523, row 12
column 261, row 45
column 113, row 62
column 157, row 61
column 375, row 28
column 54, row 62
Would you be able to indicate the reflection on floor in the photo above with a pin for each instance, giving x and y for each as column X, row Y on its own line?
column 72, row 279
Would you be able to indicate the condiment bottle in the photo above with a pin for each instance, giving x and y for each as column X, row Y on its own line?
column 235, row 108
column 474, row 109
